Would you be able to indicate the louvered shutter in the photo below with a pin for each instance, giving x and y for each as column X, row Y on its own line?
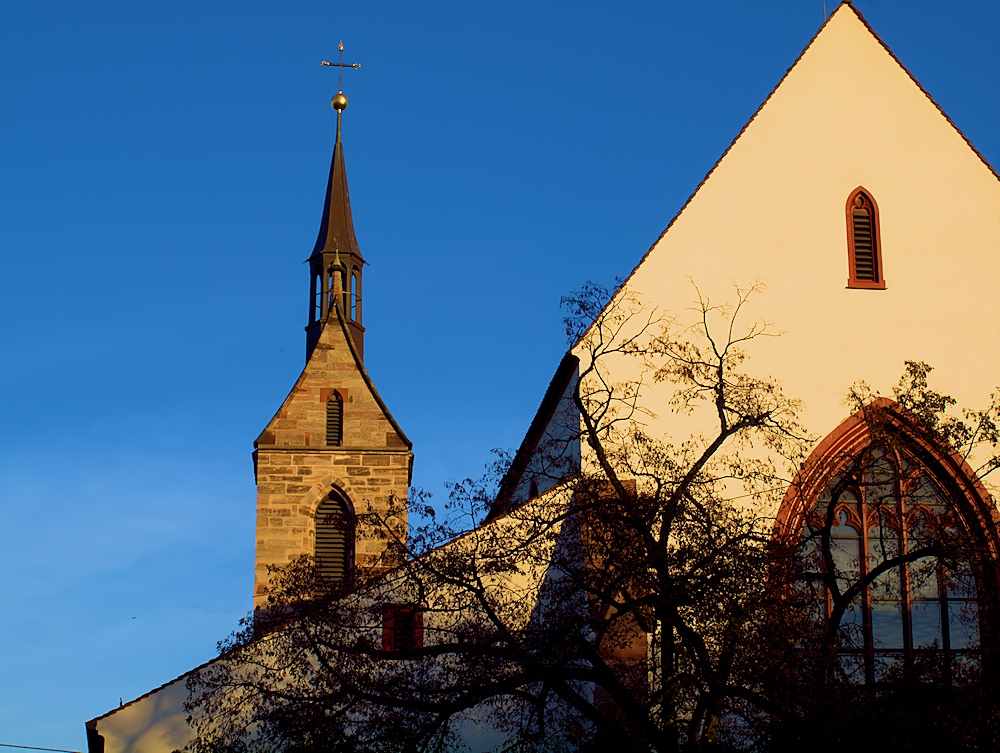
column 332, row 545
column 334, row 420
column 864, row 252
column 864, row 244
column 418, row 627
column 389, row 628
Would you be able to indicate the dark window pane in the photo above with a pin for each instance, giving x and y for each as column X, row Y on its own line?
column 883, row 544
column 887, row 624
column 925, row 622
column 845, row 547
column 888, row 665
column 963, row 624
column 923, row 493
column 879, row 485
column 961, row 584
column 853, row 667
column 924, row 579
column 852, row 627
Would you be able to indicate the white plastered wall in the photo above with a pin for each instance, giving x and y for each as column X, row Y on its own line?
column 773, row 210
column 154, row 723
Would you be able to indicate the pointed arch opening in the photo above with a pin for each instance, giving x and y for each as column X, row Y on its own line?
column 898, row 552
column 316, row 298
column 864, row 242
column 335, row 534
column 356, row 295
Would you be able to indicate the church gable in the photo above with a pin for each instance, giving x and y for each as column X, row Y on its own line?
column 847, row 121
column 866, row 217
column 333, row 403
column 847, row 114
column 846, row 97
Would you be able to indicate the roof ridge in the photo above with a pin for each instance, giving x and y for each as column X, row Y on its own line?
column 157, row 689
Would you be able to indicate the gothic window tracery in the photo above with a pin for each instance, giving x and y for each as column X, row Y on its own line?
column 912, row 609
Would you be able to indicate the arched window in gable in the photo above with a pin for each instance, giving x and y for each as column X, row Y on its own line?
column 864, row 243
column 335, row 538
column 316, row 297
column 335, row 420
column 900, row 549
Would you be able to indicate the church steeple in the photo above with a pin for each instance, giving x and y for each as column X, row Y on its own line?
column 336, row 264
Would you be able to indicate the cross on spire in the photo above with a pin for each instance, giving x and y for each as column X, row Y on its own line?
column 341, row 65
column 336, row 264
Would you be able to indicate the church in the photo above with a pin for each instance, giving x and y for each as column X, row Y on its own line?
column 853, row 229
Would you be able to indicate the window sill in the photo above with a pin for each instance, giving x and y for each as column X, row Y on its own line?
column 866, row 285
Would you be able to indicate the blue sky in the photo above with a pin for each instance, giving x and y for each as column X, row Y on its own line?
column 163, row 167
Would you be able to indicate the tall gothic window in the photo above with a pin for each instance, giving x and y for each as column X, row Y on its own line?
column 922, row 610
column 898, row 548
column 335, row 539
column 864, row 243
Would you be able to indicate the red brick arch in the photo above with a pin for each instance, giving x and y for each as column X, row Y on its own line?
column 854, row 435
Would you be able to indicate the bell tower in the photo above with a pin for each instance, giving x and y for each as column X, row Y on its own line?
column 332, row 466
column 336, row 265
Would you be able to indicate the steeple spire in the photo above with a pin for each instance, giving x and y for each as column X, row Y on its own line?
column 336, row 229
column 336, row 264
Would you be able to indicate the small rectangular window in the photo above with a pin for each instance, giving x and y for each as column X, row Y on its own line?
column 402, row 628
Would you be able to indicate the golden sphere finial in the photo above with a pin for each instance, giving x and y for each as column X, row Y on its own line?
column 339, row 102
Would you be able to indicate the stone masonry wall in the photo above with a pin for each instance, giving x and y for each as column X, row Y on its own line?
column 296, row 471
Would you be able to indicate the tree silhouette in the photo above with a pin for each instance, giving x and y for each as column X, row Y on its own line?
column 648, row 598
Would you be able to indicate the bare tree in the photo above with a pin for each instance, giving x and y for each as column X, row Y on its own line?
column 897, row 531
column 648, row 600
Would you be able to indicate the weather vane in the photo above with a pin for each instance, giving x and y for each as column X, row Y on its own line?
column 341, row 65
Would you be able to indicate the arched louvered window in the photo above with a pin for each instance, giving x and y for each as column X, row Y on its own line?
column 335, row 420
column 335, row 539
column 864, row 245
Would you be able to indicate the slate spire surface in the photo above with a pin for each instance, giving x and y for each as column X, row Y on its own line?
column 336, row 265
